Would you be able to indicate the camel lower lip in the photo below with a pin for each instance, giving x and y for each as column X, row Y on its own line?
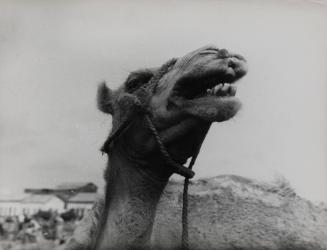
column 214, row 98
column 210, row 108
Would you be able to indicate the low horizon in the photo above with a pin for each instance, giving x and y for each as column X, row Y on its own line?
column 54, row 54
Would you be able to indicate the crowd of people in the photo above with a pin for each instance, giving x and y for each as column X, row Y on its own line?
column 41, row 226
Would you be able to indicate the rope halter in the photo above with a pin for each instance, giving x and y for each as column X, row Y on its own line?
column 143, row 95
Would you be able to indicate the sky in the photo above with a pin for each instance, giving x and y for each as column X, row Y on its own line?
column 53, row 54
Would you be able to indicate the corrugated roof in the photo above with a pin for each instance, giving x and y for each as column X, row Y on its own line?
column 73, row 185
column 84, row 198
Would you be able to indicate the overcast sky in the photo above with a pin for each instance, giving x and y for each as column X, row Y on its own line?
column 54, row 53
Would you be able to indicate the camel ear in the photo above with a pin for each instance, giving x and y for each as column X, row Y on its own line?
column 105, row 99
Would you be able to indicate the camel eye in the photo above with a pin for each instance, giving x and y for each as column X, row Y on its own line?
column 136, row 79
column 133, row 84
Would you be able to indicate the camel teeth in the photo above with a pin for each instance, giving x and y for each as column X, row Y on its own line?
column 222, row 89
column 232, row 90
column 209, row 91
column 225, row 88
column 217, row 88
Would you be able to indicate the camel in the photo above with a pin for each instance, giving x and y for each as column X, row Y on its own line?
column 141, row 210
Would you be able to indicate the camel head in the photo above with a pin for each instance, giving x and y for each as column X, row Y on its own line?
column 194, row 91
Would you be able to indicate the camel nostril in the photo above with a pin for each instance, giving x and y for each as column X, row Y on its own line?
column 231, row 63
column 223, row 53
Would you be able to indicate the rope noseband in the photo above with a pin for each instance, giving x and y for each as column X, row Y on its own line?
column 142, row 97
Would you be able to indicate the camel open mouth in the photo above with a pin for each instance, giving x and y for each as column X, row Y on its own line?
column 216, row 78
column 210, row 96
column 213, row 88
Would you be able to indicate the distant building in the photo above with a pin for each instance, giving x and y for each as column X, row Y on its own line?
column 10, row 206
column 31, row 204
column 79, row 196
column 82, row 202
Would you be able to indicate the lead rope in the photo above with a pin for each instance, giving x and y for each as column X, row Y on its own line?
column 179, row 169
column 170, row 161
column 185, row 245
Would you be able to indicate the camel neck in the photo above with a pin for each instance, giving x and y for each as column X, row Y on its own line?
column 133, row 193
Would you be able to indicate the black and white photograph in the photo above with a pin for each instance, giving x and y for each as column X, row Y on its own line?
column 148, row 125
